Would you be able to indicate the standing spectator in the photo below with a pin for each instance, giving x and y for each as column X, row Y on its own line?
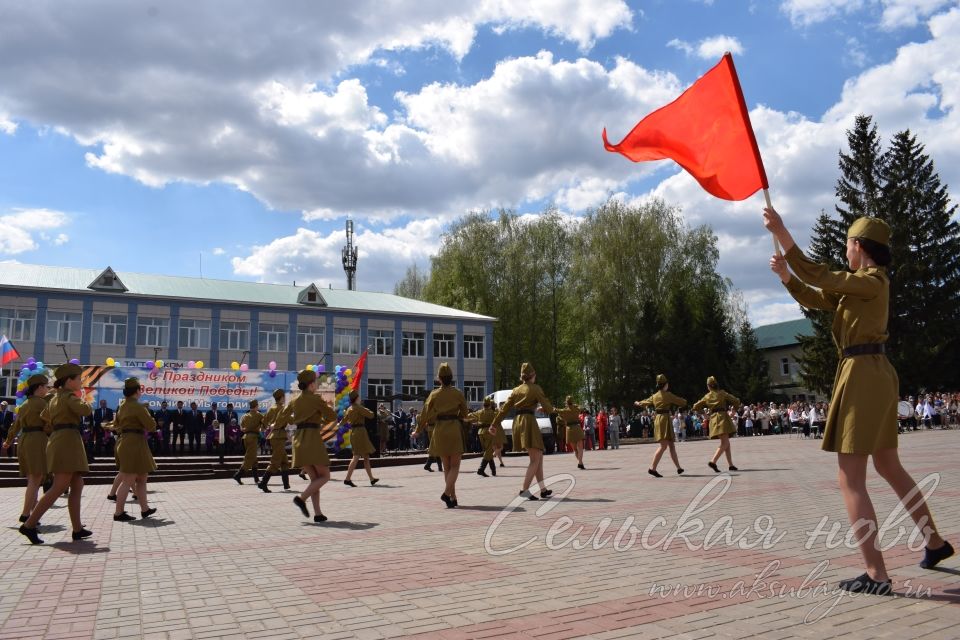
column 677, row 422
column 162, row 418
column 194, row 427
column 615, row 424
column 602, row 429
column 646, row 423
column 101, row 414
column 589, row 428
column 688, row 424
column 211, row 422
column 178, row 426
column 748, row 423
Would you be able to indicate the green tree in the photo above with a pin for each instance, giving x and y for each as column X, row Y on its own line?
column 413, row 284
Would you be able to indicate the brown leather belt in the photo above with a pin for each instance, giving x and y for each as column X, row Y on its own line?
column 140, row 431
column 308, row 425
column 524, row 412
column 663, row 412
column 61, row 427
column 864, row 350
column 448, row 416
column 31, row 429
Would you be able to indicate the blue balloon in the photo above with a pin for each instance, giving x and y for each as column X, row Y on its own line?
column 32, row 366
column 31, row 360
column 75, row 361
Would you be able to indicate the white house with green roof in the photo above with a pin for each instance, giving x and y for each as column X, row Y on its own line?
column 100, row 314
column 780, row 345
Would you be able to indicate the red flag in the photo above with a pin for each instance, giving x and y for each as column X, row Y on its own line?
column 707, row 132
column 358, row 372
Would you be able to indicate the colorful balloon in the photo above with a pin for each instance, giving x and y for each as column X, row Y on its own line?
column 149, row 365
column 111, row 362
column 273, row 373
column 199, row 364
column 191, row 364
column 272, row 365
column 234, row 365
column 74, row 360
column 244, row 367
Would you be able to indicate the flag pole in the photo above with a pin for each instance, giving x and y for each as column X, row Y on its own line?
column 766, row 196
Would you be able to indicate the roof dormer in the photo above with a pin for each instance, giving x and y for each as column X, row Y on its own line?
column 311, row 295
column 107, row 281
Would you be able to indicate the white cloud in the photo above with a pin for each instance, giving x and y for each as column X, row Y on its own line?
column 310, row 256
column 7, row 126
column 21, row 228
column 219, row 251
column 711, row 48
column 908, row 13
column 807, row 12
column 895, row 14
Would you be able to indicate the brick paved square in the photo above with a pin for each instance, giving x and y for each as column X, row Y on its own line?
column 222, row 561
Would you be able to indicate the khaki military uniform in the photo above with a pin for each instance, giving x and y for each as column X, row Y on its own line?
column 568, row 419
column 65, row 450
column 483, row 419
column 863, row 409
column 250, row 424
column 356, row 416
column 524, row 400
column 445, row 408
column 132, row 422
column 34, row 433
column 662, row 403
column 311, row 413
column 278, row 417
column 718, row 402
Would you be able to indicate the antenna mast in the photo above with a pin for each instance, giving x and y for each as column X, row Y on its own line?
column 349, row 254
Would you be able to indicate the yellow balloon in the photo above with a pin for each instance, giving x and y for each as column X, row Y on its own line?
column 234, row 365
column 111, row 362
column 199, row 364
column 159, row 364
column 348, row 372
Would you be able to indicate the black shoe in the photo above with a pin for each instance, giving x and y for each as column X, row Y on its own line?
column 866, row 584
column 428, row 467
column 679, row 471
column 123, row 517
column 546, row 493
column 112, row 497
column 256, row 478
column 453, row 504
column 654, row 473
column 80, row 535
column 31, row 534
column 319, row 518
column 502, row 465
column 374, row 481
column 932, row 557
column 349, row 483
column 302, row 477
column 580, row 466
column 446, row 500
column 237, row 476
column 528, row 495
column 24, row 519
column 713, row 465
column 149, row 512
column 302, row 506
column 262, row 485
column 481, row 472
column 286, row 479
column 733, row 468
column 493, row 469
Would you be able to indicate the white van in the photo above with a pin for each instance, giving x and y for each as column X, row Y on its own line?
column 543, row 421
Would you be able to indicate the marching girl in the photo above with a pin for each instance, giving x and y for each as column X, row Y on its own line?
column 32, row 448
column 311, row 412
column 250, row 424
column 445, row 408
column 662, row 402
column 277, row 419
column 66, row 456
column 526, row 431
column 356, row 416
column 862, row 418
column 568, row 418
column 483, row 419
column 134, row 460
column 719, row 402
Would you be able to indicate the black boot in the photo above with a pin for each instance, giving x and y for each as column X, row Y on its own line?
column 493, row 467
column 439, row 464
column 480, row 471
column 238, row 475
column 286, row 479
column 256, row 476
column 263, row 484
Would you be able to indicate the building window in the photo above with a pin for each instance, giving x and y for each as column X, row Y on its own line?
column 17, row 324
column 473, row 347
column 273, row 337
column 235, row 336
column 310, row 340
column 474, row 390
column 784, row 366
column 8, row 383
column 194, row 334
column 63, row 326
column 346, row 341
column 153, row 332
column 379, row 388
column 414, row 344
column 444, row 345
column 414, row 387
column 109, row 329
column 382, row 342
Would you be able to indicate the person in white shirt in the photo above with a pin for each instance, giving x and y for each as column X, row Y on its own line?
column 614, row 424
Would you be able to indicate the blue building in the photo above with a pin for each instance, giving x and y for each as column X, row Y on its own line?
column 135, row 317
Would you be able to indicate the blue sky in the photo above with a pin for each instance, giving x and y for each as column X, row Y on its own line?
column 143, row 136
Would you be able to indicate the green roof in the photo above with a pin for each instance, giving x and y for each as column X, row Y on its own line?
column 782, row 334
column 29, row 276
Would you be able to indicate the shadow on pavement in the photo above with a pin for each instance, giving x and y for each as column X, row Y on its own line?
column 351, row 526
column 80, row 547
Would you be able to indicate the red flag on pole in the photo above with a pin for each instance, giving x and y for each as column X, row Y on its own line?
column 707, row 132
column 358, row 372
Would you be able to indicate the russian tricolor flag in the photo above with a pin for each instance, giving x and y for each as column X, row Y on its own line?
column 8, row 352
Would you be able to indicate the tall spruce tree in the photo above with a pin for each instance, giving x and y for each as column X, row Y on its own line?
column 925, row 275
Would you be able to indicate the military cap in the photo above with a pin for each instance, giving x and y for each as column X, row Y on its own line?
column 254, row 404
column 569, row 401
column 661, row 379
column 131, row 383
column 354, row 395
column 68, row 370
column 487, row 403
column 526, row 369
column 711, row 381
column 306, row 376
column 444, row 370
column 37, row 378
column 278, row 394
column 870, row 228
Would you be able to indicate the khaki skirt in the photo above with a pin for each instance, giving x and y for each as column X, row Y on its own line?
column 309, row 448
column 360, row 441
column 500, row 437
column 574, row 434
column 720, row 424
column 447, row 439
column 32, row 453
column 530, row 436
column 662, row 428
column 133, row 454
column 65, row 452
column 863, row 410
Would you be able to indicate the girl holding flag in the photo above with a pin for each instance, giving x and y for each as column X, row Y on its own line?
column 862, row 420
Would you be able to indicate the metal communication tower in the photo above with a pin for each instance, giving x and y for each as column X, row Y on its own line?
column 349, row 254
